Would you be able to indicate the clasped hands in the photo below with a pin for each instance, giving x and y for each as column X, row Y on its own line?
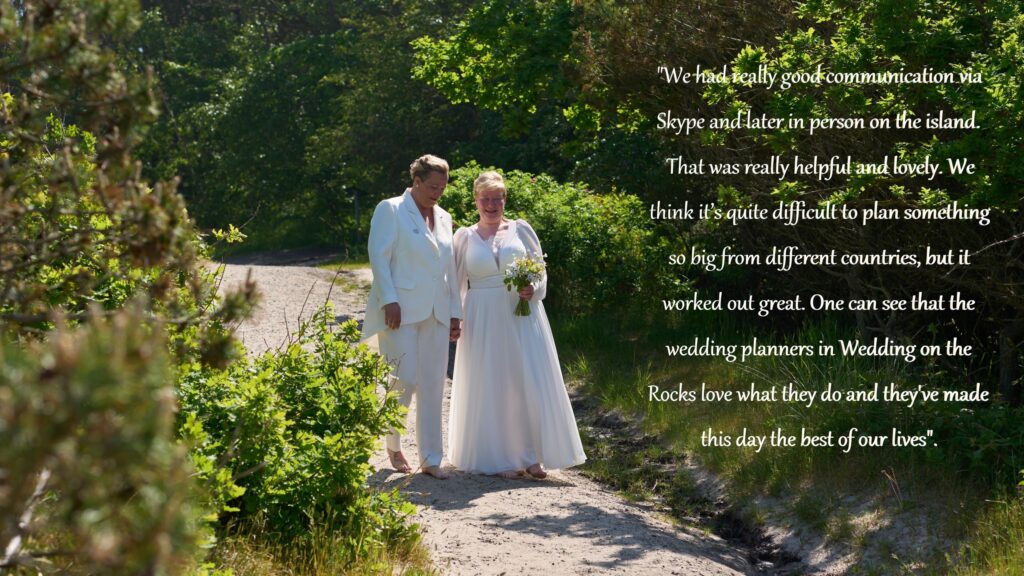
column 393, row 319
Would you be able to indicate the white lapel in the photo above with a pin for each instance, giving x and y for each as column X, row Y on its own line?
column 415, row 219
column 441, row 224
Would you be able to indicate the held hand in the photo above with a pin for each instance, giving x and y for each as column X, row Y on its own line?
column 526, row 293
column 392, row 315
column 456, row 330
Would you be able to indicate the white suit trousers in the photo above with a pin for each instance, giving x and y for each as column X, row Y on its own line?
column 419, row 356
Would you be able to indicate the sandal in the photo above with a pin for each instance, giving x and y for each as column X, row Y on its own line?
column 436, row 472
column 398, row 462
column 537, row 471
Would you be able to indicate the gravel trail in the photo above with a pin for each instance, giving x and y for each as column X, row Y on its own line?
column 472, row 524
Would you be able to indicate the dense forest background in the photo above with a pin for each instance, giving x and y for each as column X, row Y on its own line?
column 291, row 120
column 295, row 119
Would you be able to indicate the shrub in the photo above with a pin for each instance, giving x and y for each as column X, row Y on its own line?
column 87, row 428
column 86, row 419
column 285, row 439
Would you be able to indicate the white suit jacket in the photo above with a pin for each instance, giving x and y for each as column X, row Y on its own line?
column 411, row 265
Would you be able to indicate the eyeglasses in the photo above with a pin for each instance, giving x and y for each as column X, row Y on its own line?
column 491, row 200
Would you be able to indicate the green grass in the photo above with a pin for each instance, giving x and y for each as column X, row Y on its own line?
column 257, row 556
column 342, row 262
column 997, row 543
column 345, row 278
column 947, row 483
column 641, row 470
column 811, row 510
column 249, row 551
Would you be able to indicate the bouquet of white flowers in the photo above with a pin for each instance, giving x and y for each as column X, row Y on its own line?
column 522, row 272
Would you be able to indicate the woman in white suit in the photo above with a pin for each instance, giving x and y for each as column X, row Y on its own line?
column 510, row 412
column 414, row 306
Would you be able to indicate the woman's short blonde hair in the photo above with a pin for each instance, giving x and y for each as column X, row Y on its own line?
column 423, row 166
column 489, row 180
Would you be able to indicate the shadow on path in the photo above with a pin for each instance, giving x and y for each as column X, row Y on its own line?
column 621, row 534
column 288, row 257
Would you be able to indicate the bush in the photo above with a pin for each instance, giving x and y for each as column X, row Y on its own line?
column 603, row 253
column 87, row 418
column 87, row 428
column 285, row 439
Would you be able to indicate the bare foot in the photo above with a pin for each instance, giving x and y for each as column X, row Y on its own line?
column 510, row 474
column 537, row 472
column 398, row 462
column 436, row 472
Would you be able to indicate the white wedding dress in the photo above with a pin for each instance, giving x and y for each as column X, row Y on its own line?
column 509, row 406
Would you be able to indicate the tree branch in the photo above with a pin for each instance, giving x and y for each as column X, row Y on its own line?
column 11, row 553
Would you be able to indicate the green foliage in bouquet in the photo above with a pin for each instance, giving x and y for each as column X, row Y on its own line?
column 285, row 439
column 521, row 273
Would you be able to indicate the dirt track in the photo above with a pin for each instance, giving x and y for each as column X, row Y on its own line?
column 566, row 524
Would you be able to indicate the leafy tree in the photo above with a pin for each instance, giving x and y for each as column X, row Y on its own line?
column 80, row 226
column 583, row 73
column 596, row 62
column 881, row 36
column 91, row 473
column 94, row 475
column 847, row 36
column 299, row 115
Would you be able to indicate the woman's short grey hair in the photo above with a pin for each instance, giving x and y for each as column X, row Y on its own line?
column 423, row 166
column 489, row 180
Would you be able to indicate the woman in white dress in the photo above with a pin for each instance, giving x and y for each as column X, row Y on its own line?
column 510, row 412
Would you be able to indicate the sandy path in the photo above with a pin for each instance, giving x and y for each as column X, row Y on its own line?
column 475, row 524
